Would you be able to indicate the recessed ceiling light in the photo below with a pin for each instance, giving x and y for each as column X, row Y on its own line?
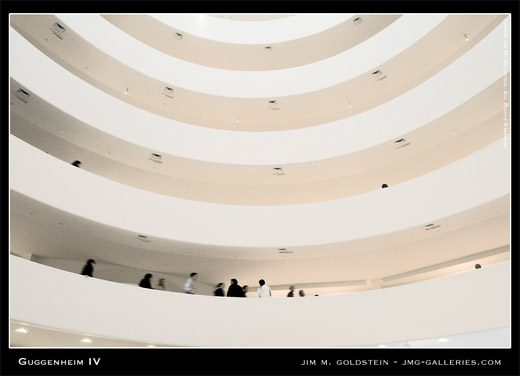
column 466, row 38
column 86, row 340
column 443, row 340
column 382, row 346
column 168, row 91
column 284, row 250
column 23, row 95
column 268, row 48
column 58, row 30
column 349, row 105
column 401, row 143
column 178, row 36
column 378, row 75
column 357, row 20
column 156, row 157
column 126, row 91
column 22, row 330
column 143, row 238
column 278, row 171
column 273, row 105
column 238, row 119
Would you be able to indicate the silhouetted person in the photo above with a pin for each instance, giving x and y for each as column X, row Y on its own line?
column 301, row 293
column 76, row 163
column 88, row 269
column 160, row 284
column 189, row 286
column 219, row 291
column 146, row 282
column 245, row 289
column 477, row 266
column 235, row 290
column 291, row 292
column 264, row 291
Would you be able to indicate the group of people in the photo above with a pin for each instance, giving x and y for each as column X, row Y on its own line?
column 146, row 282
column 234, row 290
column 291, row 292
column 237, row 291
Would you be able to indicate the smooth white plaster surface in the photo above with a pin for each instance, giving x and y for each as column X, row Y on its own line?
column 469, row 182
column 473, row 72
column 244, row 32
column 468, row 302
column 357, row 60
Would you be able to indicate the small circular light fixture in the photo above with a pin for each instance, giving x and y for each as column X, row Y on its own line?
column 238, row 119
column 443, row 340
column 268, row 48
column 86, row 340
column 126, row 91
column 349, row 105
column 22, row 330
column 466, row 38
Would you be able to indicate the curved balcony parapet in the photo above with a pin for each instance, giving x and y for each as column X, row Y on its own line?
column 472, row 181
column 475, row 71
column 448, row 306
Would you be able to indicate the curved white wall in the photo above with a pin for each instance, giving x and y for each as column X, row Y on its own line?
column 480, row 67
column 239, row 32
column 472, row 181
column 271, row 84
column 447, row 306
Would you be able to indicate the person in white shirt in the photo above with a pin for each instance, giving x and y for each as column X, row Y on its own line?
column 189, row 286
column 264, row 291
column 160, row 285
